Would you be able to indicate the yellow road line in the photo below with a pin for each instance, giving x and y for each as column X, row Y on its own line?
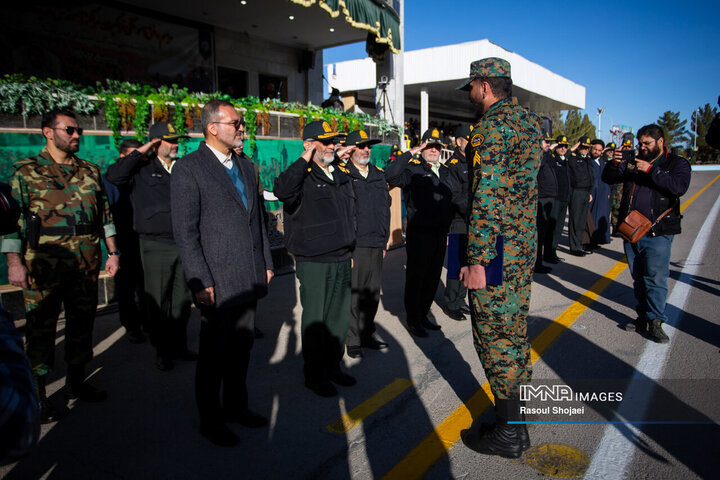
column 355, row 416
column 435, row 445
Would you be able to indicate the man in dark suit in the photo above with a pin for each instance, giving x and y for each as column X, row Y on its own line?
column 220, row 233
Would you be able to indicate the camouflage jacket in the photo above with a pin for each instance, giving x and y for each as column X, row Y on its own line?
column 62, row 196
column 504, row 151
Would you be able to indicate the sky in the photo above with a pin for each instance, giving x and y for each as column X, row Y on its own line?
column 635, row 59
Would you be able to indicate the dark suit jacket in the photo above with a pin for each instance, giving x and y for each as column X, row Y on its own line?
column 221, row 243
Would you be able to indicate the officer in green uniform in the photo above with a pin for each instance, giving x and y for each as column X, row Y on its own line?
column 505, row 152
column 455, row 291
column 55, row 254
column 320, row 231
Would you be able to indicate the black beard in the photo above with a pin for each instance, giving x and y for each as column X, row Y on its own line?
column 655, row 152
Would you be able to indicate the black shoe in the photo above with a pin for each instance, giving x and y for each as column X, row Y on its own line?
column 322, row 387
column 220, row 435
column 656, row 332
column 258, row 333
column 342, row 379
column 586, row 251
column 429, row 325
column 523, row 434
column 554, row 260
column 85, row 392
column 374, row 343
column 502, row 440
column 577, row 253
column 135, row 336
column 417, row 330
column 542, row 269
column 354, row 351
column 164, row 363
column 247, row 418
column 47, row 411
column 465, row 309
column 455, row 315
column 187, row 355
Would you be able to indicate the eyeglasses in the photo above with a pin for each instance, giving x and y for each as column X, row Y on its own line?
column 70, row 130
column 237, row 124
column 647, row 144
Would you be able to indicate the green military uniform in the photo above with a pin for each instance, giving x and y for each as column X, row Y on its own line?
column 505, row 153
column 74, row 216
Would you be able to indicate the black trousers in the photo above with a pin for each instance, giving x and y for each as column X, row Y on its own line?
column 578, row 212
column 455, row 291
column 545, row 228
column 365, row 284
column 130, row 290
column 226, row 338
column 425, row 250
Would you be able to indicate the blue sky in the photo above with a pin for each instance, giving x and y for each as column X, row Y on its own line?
column 636, row 59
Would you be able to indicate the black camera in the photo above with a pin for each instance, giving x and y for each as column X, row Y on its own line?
column 628, row 156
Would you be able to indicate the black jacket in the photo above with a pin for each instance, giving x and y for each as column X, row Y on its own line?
column 547, row 180
column 713, row 134
column 428, row 199
column 562, row 173
column 582, row 176
column 459, row 172
column 319, row 213
column 149, row 185
column 665, row 183
column 372, row 205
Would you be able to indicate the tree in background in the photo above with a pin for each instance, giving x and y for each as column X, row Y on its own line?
column 705, row 153
column 573, row 126
column 674, row 129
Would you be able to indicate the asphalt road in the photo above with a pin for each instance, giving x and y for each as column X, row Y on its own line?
column 404, row 418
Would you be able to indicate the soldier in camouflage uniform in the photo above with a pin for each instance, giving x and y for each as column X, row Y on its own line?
column 505, row 152
column 55, row 254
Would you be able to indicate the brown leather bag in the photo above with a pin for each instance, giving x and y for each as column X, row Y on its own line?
column 636, row 225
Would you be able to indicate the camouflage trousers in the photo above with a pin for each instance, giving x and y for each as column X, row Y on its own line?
column 79, row 295
column 499, row 323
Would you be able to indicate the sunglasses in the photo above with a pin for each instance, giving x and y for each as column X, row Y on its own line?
column 237, row 124
column 70, row 130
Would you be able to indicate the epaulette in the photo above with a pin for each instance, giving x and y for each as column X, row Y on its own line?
column 380, row 169
column 343, row 169
column 415, row 161
column 453, row 161
column 442, row 164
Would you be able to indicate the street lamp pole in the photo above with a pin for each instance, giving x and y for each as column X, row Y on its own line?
column 600, row 111
column 695, row 135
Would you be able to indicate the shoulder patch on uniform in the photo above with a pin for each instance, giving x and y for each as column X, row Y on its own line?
column 415, row 162
column 453, row 161
column 310, row 169
column 343, row 169
column 477, row 140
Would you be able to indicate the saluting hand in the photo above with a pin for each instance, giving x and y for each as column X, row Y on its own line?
column 309, row 152
column 152, row 145
column 419, row 148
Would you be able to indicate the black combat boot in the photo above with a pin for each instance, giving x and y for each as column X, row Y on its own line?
column 522, row 431
column 656, row 331
column 501, row 439
column 77, row 388
column 48, row 413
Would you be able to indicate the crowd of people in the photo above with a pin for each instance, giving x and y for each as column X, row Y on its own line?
column 498, row 204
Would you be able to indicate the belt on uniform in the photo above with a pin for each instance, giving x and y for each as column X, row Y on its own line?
column 71, row 231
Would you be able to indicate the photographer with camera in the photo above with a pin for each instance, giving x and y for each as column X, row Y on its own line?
column 653, row 181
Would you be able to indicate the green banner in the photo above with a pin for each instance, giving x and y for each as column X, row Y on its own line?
column 272, row 157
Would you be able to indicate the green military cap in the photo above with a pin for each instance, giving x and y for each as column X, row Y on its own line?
column 561, row 140
column 584, row 141
column 360, row 137
column 487, row 67
column 464, row 131
column 319, row 130
column 166, row 131
column 433, row 135
column 611, row 146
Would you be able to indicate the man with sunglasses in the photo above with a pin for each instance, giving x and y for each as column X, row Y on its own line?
column 653, row 182
column 55, row 255
column 429, row 192
column 146, row 171
column 320, row 231
column 373, row 230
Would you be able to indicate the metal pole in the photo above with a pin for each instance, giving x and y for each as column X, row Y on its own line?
column 695, row 135
column 600, row 111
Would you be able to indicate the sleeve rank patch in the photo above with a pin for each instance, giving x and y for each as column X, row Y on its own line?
column 477, row 140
